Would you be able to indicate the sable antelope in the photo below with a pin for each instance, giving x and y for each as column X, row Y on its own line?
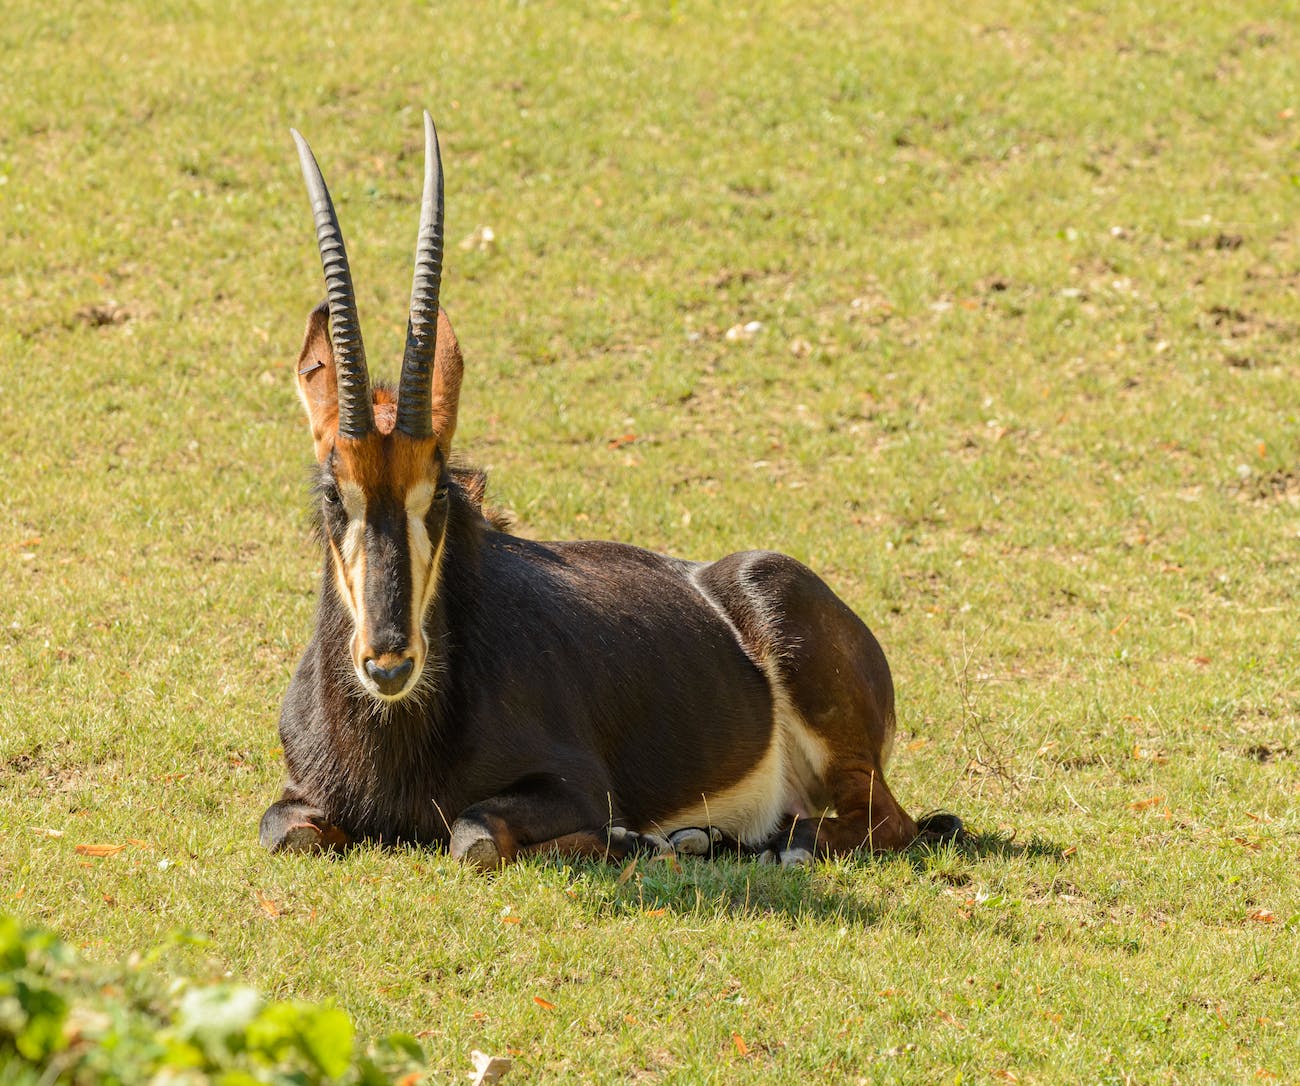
column 505, row 697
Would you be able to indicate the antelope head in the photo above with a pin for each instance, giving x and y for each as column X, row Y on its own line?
column 383, row 470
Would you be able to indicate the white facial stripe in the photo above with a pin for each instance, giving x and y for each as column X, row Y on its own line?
column 350, row 559
column 424, row 561
column 350, row 580
column 354, row 504
column 431, row 585
column 418, row 499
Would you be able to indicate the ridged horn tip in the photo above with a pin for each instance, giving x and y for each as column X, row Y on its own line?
column 415, row 391
column 356, row 412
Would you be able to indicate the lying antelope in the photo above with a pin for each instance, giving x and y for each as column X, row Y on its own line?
column 505, row 697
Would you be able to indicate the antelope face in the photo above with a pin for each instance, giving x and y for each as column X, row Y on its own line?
column 383, row 481
column 384, row 514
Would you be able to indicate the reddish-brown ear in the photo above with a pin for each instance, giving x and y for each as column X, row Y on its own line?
column 318, row 383
column 448, row 369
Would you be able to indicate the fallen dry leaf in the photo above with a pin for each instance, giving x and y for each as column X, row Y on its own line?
column 742, row 1049
column 99, row 850
column 510, row 920
column 1261, row 916
column 656, row 912
column 1144, row 804
column 627, row 872
column 545, row 1004
column 268, row 906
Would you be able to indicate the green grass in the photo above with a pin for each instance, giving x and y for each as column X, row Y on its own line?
column 1025, row 391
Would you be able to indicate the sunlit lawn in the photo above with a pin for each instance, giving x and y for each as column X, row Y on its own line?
column 1020, row 379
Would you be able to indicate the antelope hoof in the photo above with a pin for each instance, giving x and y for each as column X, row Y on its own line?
column 296, row 828
column 483, row 854
column 796, row 857
column 939, row 827
column 624, row 842
column 474, row 843
column 694, row 841
column 784, row 854
column 303, row 837
column 307, row 837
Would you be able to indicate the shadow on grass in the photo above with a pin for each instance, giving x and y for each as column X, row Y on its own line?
column 856, row 891
column 982, row 846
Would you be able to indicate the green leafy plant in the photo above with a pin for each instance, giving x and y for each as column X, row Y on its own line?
column 60, row 1023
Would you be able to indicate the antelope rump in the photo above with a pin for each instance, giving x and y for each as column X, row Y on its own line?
column 503, row 697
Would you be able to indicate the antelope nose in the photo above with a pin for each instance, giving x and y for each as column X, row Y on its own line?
column 390, row 680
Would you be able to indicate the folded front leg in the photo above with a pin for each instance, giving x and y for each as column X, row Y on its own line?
column 292, row 825
column 544, row 816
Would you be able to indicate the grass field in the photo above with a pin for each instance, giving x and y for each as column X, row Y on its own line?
column 1025, row 391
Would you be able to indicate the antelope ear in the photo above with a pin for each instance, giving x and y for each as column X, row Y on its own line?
column 318, row 382
column 448, row 369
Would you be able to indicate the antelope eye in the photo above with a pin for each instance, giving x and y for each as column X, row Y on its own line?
column 331, row 495
column 440, row 494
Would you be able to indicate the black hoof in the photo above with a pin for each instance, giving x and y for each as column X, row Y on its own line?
column 300, row 838
column 696, row 841
column 295, row 827
column 624, row 842
column 938, row 827
column 472, row 842
column 483, row 854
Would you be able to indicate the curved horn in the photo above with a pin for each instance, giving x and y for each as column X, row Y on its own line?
column 415, row 391
column 356, row 413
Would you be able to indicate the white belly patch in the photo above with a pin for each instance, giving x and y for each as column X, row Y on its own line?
column 787, row 780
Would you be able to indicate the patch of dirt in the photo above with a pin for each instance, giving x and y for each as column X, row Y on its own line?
column 1262, row 752
column 104, row 314
column 1221, row 242
column 23, row 763
column 233, row 555
column 1274, row 486
column 1080, row 762
column 1253, row 36
column 42, row 767
column 1233, row 323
